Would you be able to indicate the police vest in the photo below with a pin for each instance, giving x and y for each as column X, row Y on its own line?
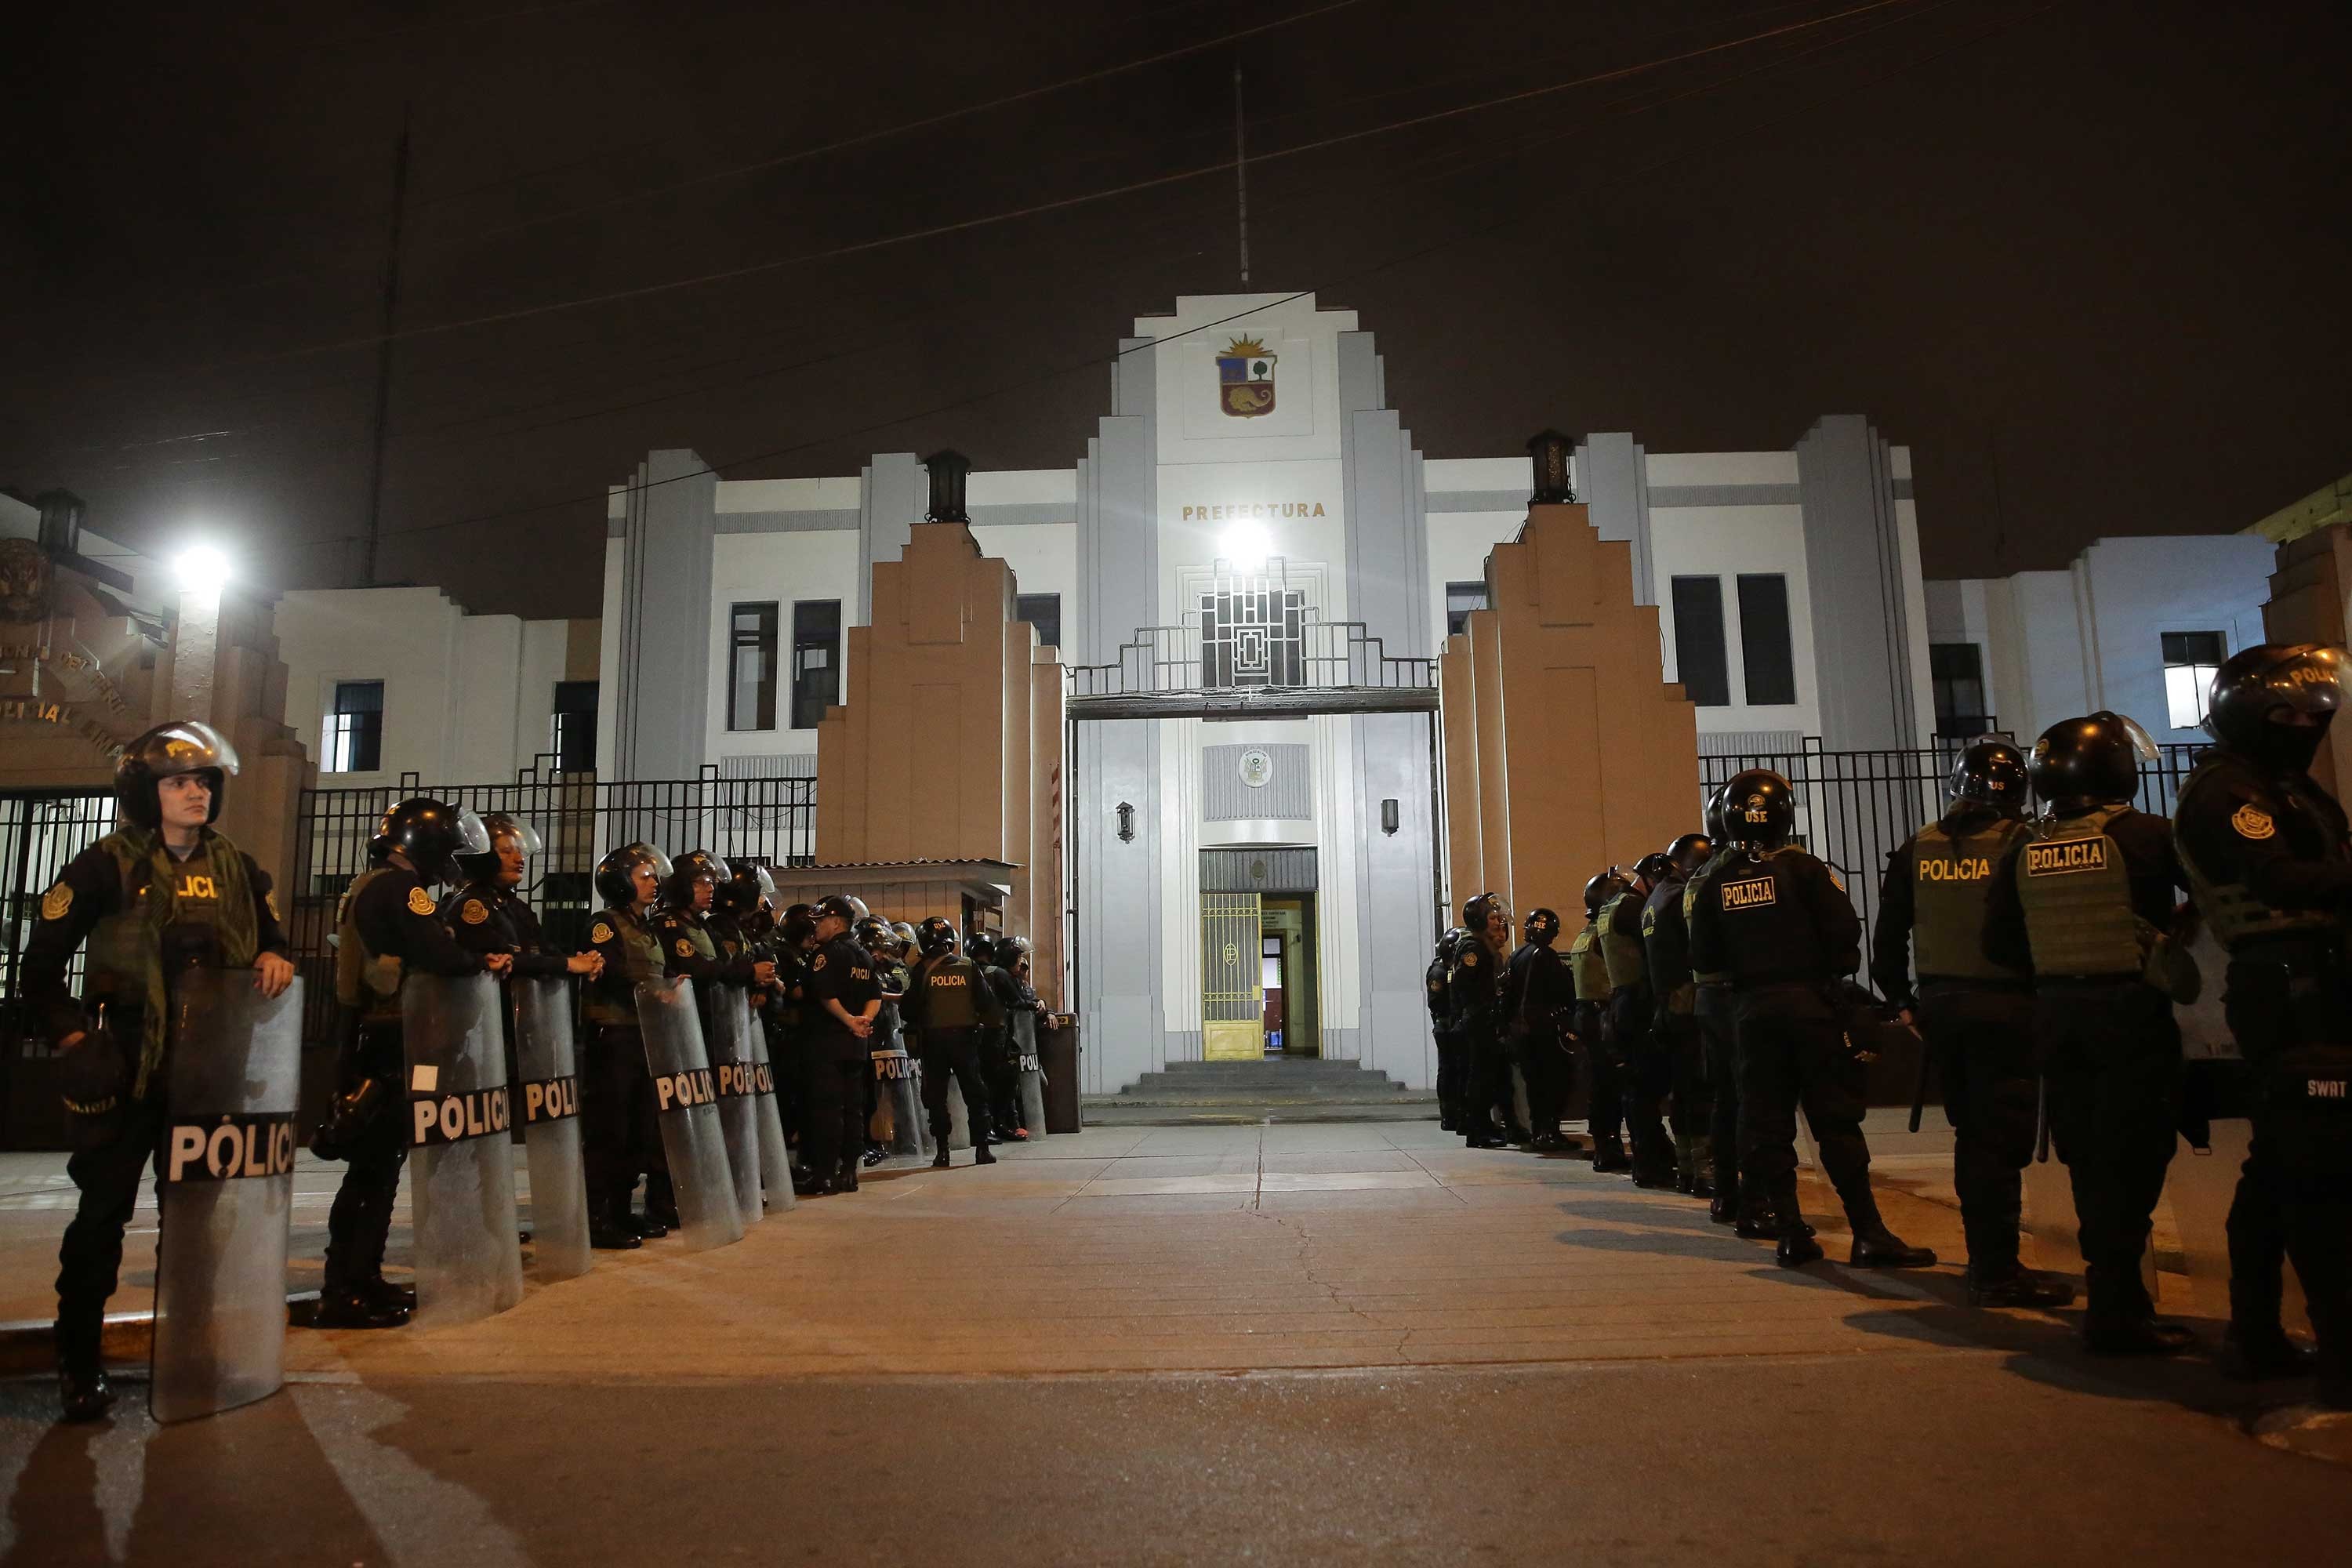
column 1951, row 883
column 1769, row 934
column 1700, row 881
column 1628, row 966
column 2232, row 909
column 2076, row 893
column 613, row 1000
column 949, row 993
column 1665, row 939
column 686, row 929
column 365, row 981
column 1588, row 966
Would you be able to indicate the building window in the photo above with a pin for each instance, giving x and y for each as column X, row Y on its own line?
column 1254, row 637
column 751, row 667
column 1043, row 611
column 1765, row 655
column 817, row 660
column 1956, row 671
column 2190, row 660
column 1699, row 658
column 574, row 736
column 353, row 738
column 1461, row 598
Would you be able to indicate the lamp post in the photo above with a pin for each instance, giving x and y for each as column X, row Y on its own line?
column 202, row 571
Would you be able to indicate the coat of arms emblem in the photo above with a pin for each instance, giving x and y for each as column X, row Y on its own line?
column 1245, row 379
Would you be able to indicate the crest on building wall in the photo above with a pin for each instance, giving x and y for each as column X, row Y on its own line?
column 26, row 584
column 1245, row 379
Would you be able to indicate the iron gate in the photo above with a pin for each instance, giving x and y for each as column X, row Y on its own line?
column 40, row 832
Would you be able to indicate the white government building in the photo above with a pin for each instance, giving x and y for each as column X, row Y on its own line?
column 1250, row 452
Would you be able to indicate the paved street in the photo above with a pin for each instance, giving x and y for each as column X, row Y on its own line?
column 1289, row 1343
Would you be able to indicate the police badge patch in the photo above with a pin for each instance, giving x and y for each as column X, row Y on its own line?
column 420, row 902
column 56, row 902
column 2252, row 822
column 474, row 914
column 602, row 934
column 685, row 948
column 1245, row 379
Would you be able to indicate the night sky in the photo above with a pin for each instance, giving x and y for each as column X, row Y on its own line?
column 2085, row 258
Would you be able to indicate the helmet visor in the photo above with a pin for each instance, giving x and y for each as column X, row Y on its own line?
column 524, row 835
column 473, row 835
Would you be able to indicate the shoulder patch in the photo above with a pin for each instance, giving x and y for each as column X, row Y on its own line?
column 420, row 902
column 602, row 934
column 1469, row 959
column 56, row 902
column 2252, row 822
column 685, row 948
column 818, row 962
column 474, row 914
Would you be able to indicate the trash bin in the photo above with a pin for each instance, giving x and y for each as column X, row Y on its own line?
column 1057, row 1053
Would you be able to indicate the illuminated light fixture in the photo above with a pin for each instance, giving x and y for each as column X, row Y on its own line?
column 1245, row 545
column 1126, row 823
column 1389, row 817
column 201, row 569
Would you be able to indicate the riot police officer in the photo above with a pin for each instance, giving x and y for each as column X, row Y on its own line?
column 1475, row 989
column 1736, row 1201
column 1440, row 1028
column 996, row 1058
column 390, row 928
column 619, row 1134
column 1540, row 1000
column 1974, row 1016
column 2084, row 904
column 2271, row 869
column 1648, row 1073
column 487, row 913
column 166, row 892
column 1588, row 967
column 1665, row 949
column 880, row 938
column 945, row 1002
column 691, row 948
column 1777, row 922
column 843, row 997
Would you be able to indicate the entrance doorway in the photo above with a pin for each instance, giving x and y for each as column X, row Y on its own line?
column 1286, row 940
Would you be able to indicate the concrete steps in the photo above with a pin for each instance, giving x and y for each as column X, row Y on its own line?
column 1306, row 1084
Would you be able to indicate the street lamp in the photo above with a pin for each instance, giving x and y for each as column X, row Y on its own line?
column 202, row 570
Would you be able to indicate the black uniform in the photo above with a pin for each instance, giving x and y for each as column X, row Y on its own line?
column 1475, row 987
column 1681, row 1051
column 1648, row 1069
column 1714, row 1006
column 837, row 1063
column 2109, row 1047
column 948, row 999
column 1449, row 1046
column 1976, row 1016
column 2271, row 869
column 112, row 1152
column 487, row 916
column 1606, row 1117
column 1540, row 1003
column 394, row 916
column 997, row 1059
column 1780, row 927
column 785, row 1018
column 619, row 1129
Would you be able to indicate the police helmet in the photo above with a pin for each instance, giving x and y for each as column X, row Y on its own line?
column 1990, row 772
column 741, row 893
column 617, row 872
column 841, row 906
column 1759, row 809
column 936, row 936
column 1654, row 866
column 434, row 836
column 798, row 924
column 694, row 865
column 1716, row 829
column 1690, row 852
column 2261, row 690
column 502, row 830
column 183, row 746
column 875, row 935
column 1602, row 888
column 1477, row 912
column 979, row 947
column 1541, row 926
column 2089, row 762
column 1451, row 943
column 906, row 934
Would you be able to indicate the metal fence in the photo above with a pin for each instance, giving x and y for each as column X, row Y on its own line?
column 1855, row 809
column 1294, row 652
column 577, row 817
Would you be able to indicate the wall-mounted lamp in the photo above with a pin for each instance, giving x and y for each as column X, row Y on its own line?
column 1389, row 817
column 1126, row 823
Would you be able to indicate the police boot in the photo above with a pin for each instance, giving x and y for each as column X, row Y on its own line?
column 1797, row 1246
column 2144, row 1334
column 609, row 1229
column 1723, row 1208
column 846, row 1181
column 349, row 1308
column 1608, row 1154
column 84, row 1394
column 661, row 1202
column 939, row 1160
column 644, row 1227
column 2261, row 1355
column 382, row 1290
column 2017, row 1287
column 1874, row 1246
column 981, row 1152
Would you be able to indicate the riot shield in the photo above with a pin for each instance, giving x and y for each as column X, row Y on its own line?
column 2049, row 1217
column 732, row 1070
column 461, row 1170
column 549, row 1097
column 226, row 1184
column 775, row 1158
column 893, row 1072
column 1032, row 1075
column 686, row 1102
